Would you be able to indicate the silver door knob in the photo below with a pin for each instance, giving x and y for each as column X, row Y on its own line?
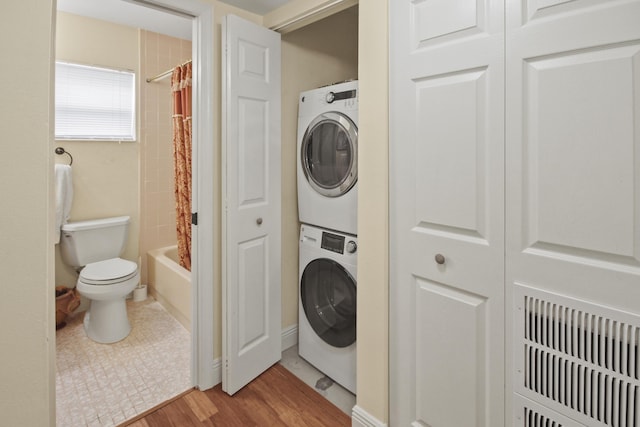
column 259, row 221
column 440, row 259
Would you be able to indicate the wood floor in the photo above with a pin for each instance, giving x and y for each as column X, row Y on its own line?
column 275, row 398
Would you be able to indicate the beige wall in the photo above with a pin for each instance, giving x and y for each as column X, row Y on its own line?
column 316, row 55
column 373, row 216
column 105, row 174
column 27, row 335
column 158, row 53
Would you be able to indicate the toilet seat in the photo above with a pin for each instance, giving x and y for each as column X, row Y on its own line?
column 108, row 272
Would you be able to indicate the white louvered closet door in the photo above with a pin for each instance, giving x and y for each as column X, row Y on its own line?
column 573, row 211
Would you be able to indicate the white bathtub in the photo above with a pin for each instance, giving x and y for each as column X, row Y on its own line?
column 170, row 283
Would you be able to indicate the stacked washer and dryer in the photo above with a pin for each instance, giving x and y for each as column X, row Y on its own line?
column 327, row 207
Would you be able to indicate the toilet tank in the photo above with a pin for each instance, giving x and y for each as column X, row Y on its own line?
column 84, row 242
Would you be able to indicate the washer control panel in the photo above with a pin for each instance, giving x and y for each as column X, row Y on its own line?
column 332, row 242
column 336, row 243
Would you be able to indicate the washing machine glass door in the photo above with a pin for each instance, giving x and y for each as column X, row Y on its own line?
column 328, row 295
column 329, row 154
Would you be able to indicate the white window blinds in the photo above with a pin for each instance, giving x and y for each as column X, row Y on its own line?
column 94, row 103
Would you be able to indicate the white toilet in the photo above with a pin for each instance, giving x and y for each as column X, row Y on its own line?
column 94, row 246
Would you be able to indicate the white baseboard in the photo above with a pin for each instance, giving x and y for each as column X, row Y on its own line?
column 361, row 418
column 289, row 339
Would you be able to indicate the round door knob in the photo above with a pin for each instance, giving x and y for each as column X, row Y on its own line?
column 351, row 246
column 259, row 221
column 440, row 259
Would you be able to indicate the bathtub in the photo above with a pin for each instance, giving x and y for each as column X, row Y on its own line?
column 170, row 283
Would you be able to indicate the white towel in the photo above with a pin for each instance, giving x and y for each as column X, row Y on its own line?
column 64, row 197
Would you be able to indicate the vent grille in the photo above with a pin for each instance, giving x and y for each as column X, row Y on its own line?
column 535, row 419
column 530, row 414
column 606, row 343
column 582, row 357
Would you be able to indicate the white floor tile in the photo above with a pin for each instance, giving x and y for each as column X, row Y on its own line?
column 103, row 385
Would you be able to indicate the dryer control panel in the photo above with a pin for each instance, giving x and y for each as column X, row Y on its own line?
column 340, row 97
column 337, row 96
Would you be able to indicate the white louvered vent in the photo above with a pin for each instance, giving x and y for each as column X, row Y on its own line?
column 535, row 419
column 530, row 414
column 580, row 359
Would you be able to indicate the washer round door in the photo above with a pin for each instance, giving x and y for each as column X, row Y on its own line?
column 328, row 294
column 329, row 154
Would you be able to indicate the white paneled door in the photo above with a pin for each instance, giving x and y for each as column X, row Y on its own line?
column 573, row 123
column 251, row 318
column 515, row 212
column 573, row 206
column 446, row 213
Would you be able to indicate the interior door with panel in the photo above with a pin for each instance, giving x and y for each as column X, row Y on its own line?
column 446, row 213
column 573, row 210
column 251, row 276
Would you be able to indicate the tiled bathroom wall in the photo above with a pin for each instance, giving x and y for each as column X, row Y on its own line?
column 158, row 53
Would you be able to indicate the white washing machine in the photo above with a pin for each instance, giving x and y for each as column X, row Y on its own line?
column 327, row 303
column 328, row 157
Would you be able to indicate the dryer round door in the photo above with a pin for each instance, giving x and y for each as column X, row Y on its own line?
column 328, row 295
column 329, row 154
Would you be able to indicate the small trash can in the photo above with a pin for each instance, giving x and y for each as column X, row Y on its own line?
column 67, row 300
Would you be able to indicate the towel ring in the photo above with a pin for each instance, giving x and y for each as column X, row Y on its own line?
column 60, row 151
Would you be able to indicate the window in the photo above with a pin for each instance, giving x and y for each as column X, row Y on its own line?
column 94, row 103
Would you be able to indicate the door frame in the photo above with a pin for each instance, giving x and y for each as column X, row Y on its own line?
column 205, row 262
column 204, row 254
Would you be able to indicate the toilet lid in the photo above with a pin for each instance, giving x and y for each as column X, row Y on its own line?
column 108, row 271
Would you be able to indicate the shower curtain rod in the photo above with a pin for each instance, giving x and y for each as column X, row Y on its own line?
column 165, row 74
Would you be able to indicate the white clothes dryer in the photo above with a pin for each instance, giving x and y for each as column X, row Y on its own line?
column 327, row 303
column 328, row 157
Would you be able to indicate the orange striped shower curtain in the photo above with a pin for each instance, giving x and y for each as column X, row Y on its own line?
column 181, row 91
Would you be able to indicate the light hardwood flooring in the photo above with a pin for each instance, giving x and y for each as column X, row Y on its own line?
column 275, row 398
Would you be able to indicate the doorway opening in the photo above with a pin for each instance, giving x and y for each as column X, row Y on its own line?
column 114, row 160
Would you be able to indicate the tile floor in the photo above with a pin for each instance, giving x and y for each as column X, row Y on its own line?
column 104, row 385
